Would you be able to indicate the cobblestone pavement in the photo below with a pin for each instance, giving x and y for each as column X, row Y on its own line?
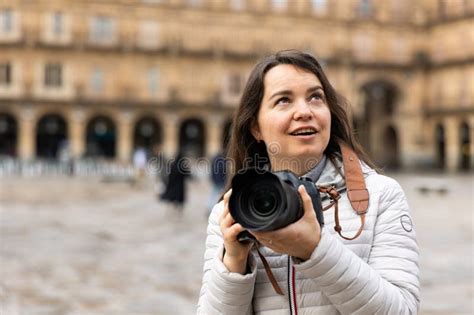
column 80, row 246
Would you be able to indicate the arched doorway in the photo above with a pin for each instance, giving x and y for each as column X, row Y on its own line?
column 227, row 133
column 390, row 156
column 378, row 102
column 191, row 138
column 147, row 134
column 51, row 136
column 8, row 135
column 440, row 147
column 101, row 137
column 465, row 147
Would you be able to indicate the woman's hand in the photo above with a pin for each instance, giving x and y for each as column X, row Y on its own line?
column 236, row 253
column 298, row 239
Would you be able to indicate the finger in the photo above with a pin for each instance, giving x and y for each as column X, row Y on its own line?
column 236, row 229
column 227, row 221
column 307, row 202
column 227, row 195
column 226, row 204
column 232, row 232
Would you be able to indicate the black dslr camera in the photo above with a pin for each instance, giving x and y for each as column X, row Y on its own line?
column 266, row 201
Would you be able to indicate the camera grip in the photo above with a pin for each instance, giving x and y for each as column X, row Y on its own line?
column 315, row 198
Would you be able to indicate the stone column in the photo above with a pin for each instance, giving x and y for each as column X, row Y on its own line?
column 124, row 137
column 214, row 130
column 471, row 137
column 77, row 133
column 27, row 136
column 451, row 126
column 170, row 134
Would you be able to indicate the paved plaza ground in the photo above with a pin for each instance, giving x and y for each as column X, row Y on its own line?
column 82, row 246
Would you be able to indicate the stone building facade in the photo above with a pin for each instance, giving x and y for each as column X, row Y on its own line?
column 102, row 78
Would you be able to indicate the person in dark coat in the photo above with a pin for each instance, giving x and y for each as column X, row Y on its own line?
column 175, row 191
column 218, row 179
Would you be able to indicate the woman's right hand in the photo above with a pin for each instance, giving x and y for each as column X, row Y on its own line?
column 236, row 253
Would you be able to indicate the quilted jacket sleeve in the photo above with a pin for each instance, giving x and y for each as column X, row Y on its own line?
column 223, row 292
column 388, row 283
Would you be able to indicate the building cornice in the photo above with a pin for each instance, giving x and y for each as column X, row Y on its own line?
column 135, row 105
column 442, row 112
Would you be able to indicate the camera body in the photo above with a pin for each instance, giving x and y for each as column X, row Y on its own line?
column 266, row 201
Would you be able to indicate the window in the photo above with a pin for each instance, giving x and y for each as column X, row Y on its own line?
column 194, row 3
column 97, row 81
column 6, row 20
column 57, row 23
column 400, row 10
column 53, row 75
column 320, row 7
column 363, row 46
column 149, row 32
column 103, row 29
column 279, row 5
column 237, row 5
column 365, row 8
column 153, row 81
column 399, row 48
column 5, row 74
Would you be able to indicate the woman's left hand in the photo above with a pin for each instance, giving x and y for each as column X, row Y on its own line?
column 298, row 239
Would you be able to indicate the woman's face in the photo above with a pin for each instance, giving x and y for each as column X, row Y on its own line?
column 294, row 119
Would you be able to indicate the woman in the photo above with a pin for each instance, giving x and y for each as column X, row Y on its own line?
column 291, row 116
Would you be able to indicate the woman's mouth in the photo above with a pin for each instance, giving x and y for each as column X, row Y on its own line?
column 309, row 131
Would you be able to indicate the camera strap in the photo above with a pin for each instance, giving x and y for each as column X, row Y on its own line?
column 357, row 192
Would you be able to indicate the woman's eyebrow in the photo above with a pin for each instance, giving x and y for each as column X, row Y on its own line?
column 284, row 92
column 315, row 88
column 289, row 92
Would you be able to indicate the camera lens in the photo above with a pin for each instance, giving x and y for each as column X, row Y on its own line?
column 264, row 204
column 263, row 201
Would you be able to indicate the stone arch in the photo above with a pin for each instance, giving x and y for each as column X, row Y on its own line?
column 192, row 137
column 390, row 157
column 440, row 143
column 8, row 135
column 101, row 137
column 464, row 146
column 51, row 136
column 147, row 133
column 379, row 100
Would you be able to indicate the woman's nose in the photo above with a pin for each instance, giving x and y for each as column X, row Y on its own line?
column 302, row 111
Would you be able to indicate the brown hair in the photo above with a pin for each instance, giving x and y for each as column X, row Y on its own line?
column 244, row 150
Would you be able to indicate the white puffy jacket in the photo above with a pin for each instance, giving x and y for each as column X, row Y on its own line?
column 377, row 273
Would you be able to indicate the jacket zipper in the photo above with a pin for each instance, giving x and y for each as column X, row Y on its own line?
column 292, row 288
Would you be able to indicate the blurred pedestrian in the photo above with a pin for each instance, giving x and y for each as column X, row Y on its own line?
column 218, row 179
column 175, row 192
column 158, row 168
column 139, row 163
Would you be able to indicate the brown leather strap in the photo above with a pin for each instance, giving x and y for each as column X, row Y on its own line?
column 356, row 190
column 338, row 228
column 269, row 272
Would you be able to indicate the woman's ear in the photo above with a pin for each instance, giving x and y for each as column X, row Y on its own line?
column 255, row 131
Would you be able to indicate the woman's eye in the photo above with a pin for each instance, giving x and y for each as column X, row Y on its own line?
column 282, row 101
column 317, row 97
